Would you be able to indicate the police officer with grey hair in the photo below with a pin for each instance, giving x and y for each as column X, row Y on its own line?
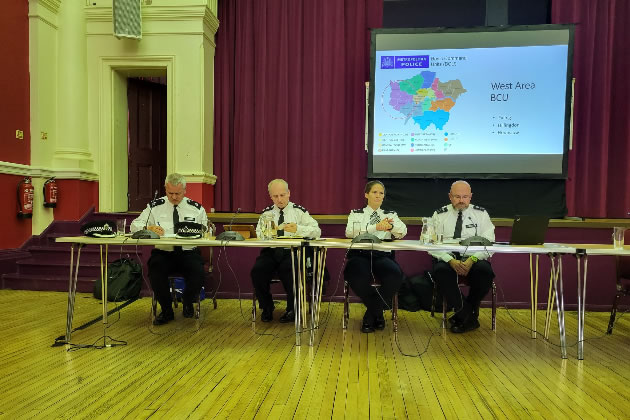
column 160, row 216
column 291, row 220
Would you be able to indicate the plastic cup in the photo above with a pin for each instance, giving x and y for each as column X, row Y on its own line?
column 618, row 237
column 121, row 225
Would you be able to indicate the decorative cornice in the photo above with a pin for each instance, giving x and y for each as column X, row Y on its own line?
column 204, row 178
column 52, row 5
column 9, row 168
column 210, row 21
column 160, row 13
column 44, row 10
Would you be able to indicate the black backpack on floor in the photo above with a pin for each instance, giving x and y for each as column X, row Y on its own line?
column 124, row 280
column 416, row 293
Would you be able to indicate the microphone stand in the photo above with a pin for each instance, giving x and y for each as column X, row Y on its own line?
column 146, row 233
column 230, row 235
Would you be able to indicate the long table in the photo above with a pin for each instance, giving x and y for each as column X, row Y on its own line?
column 553, row 251
column 296, row 246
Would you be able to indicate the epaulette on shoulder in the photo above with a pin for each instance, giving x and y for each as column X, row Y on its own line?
column 297, row 206
column 194, row 203
column 442, row 210
column 389, row 211
column 357, row 211
column 268, row 208
column 478, row 208
column 157, row 202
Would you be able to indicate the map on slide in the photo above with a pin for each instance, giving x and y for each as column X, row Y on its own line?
column 425, row 99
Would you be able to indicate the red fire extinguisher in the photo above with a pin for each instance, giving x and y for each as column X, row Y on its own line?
column 25, row 193
column 50, row 193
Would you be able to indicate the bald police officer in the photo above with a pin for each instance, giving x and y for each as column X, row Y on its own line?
column 461, row 220
column 160, row 217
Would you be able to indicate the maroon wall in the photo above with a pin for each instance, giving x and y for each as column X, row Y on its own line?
column 15, row 231
column 14, row 82
column 14, row 115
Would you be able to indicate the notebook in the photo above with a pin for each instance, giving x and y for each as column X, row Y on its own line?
column 529, row 230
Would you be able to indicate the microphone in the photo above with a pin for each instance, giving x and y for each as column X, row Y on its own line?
column 145, row 233
column 475, row 240
column 230, row 235
column 474, row 224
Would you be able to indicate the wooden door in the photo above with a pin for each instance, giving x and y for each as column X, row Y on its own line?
column 147, row 141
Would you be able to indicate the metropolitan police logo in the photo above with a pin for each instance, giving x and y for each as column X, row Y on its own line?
column 387, row 62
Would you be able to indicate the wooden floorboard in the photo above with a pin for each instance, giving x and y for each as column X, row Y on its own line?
column 223, row 366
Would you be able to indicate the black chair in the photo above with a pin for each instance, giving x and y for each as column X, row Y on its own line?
column 623, row 287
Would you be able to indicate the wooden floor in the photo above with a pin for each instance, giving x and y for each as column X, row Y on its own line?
column 222, row 368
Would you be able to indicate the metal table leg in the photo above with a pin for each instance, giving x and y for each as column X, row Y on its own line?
column 551, row 296
column 72, row 288
column 557, row 281
column 296, row 298
column 319, row 264
column 104, row 289
column 581, row 295
column 534, row 292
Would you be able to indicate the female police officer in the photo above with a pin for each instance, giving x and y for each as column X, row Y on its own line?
column 365, row 265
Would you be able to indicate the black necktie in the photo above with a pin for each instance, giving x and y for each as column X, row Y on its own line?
column 458, row 226
column 175, row 218
column 175, row 221
column 374, row 219
column 281, row 221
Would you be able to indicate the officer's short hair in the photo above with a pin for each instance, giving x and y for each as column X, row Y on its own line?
column 277, row 181
column 370, row 184
column 175, row 179
column 460, row 181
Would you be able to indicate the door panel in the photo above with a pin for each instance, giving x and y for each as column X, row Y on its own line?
column 147, row 141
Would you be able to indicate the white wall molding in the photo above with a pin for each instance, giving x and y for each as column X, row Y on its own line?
column 9, row 168
column 200, row 178
column 178, row 42
column 51, row 5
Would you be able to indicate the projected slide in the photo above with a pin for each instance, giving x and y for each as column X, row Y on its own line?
column 466, row 101
column 501, row 109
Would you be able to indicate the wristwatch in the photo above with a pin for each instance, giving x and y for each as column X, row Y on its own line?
column 473, row 258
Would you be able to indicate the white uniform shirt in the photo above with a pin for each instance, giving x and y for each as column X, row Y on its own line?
column 159, row 212
column 307, row 227
column 475, row 221
column 364, row 218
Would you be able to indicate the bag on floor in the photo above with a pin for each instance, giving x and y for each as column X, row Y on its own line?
column 124, row 280
column 416, row 293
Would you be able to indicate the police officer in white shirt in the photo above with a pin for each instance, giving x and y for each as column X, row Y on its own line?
column 363, row 264
column 160, row 217
column 291, row 220
column 462, row 220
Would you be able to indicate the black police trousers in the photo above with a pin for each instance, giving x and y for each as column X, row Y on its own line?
column 362, row 268
column 272, row 261
column 479, row 278
column 164, row 263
